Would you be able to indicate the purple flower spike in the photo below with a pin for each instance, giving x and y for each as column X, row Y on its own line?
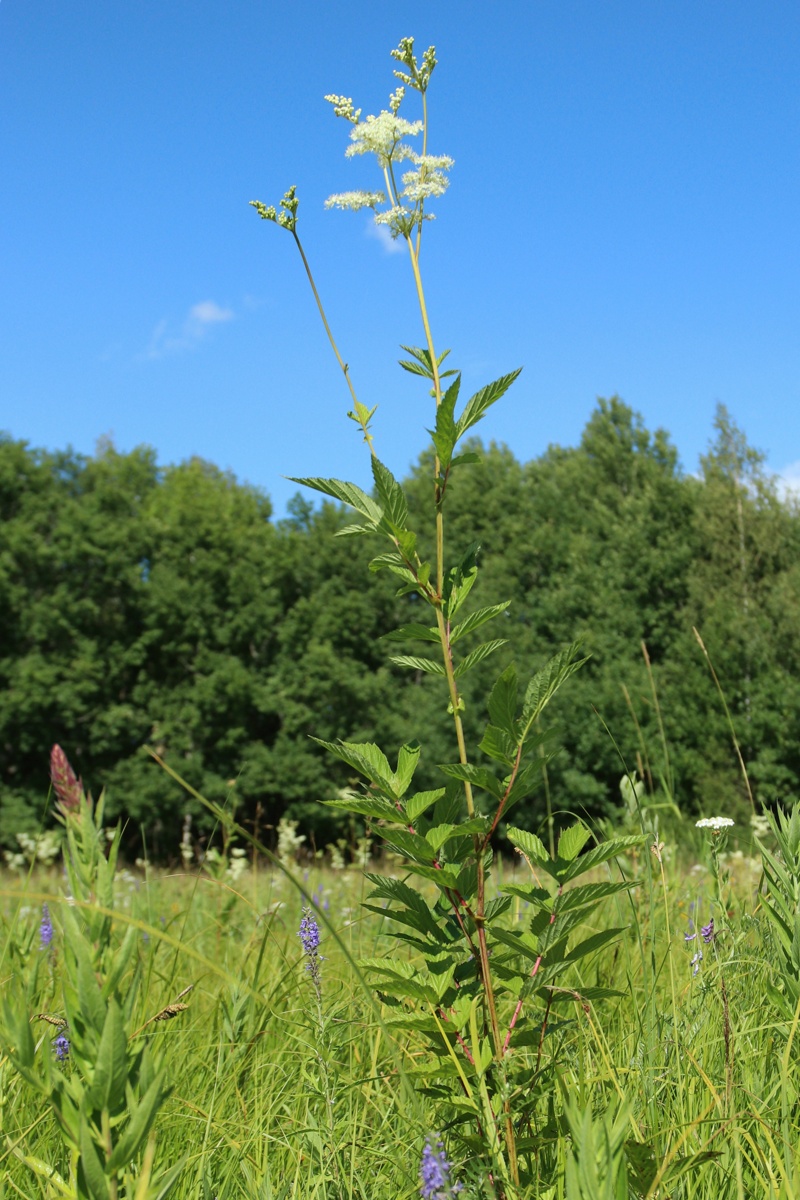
column 61, row 1047
column 434, row 1172
column 698, row 958
column 707, row 931
column 309, row 936
column 45, row 929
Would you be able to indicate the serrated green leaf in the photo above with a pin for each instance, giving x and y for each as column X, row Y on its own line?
column 459, row 581
column 589, row 894
column 520, row 943
column 390, row 493
column 366, row 806
column 348, row 493
column 354, row 530
column 528, row 891
column 572, row 841
column 406, row 543
column 412, row 633
column 407, row 917
column 444, row 435
column 478, row 655
column 429, row 665
column 531, row 846
column 420, row 802
column 600, row 854
column 503, row 702
column 423, row 360
column 413, row 368
column 496, row 907
column 462, row 460
column 476, row 619
column 443, row 876
column 546, row 682
column 477, row 405
column 595, row 942
column 366, row 758
column 410, row 845
column 440, row 834
column 407, row 760
column 498, row 745
column 478, row 776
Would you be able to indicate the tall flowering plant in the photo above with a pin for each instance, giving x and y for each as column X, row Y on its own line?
column 480, row 989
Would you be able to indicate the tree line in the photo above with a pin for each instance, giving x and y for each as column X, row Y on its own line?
column 164, row 606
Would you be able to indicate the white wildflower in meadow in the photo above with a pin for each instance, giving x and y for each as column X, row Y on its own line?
column 289, row 841
column 238, row 863
column 715, row 823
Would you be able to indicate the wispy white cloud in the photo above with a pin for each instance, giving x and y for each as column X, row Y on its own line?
column 199, row 319
column 788, row 480
column 381, row 234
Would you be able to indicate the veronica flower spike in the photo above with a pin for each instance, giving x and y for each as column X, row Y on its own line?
column 45, row 929
column 434, row 1172
column 309, row 936
column 61, row 1047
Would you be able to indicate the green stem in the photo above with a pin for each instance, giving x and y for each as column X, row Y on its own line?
column 357, row 406
column 444, row 636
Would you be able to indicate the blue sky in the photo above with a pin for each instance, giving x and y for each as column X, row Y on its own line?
column 622, row 218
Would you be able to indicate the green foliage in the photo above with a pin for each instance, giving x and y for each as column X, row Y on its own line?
column 103, row 1089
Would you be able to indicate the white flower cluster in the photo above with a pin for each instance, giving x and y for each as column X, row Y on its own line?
column 353, row 201
column 715, row 823
column 289, row 841
column 43, row 848
column 343, row 107
column 383, row 136
column 428, row 178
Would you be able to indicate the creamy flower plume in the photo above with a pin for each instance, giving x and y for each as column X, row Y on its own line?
column 427, row 179
column 353, row 201
column 383, row 136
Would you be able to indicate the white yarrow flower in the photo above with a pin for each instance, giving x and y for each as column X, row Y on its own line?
column 715, row 823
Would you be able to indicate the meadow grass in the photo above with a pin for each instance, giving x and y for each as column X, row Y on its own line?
column 274, row 1096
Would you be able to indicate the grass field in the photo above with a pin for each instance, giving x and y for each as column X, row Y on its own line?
column 693, row 1067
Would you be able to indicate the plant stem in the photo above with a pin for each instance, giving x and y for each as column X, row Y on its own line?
column 357, row 407
column 444, row 636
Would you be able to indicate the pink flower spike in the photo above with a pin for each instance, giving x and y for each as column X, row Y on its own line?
column 66, row 785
